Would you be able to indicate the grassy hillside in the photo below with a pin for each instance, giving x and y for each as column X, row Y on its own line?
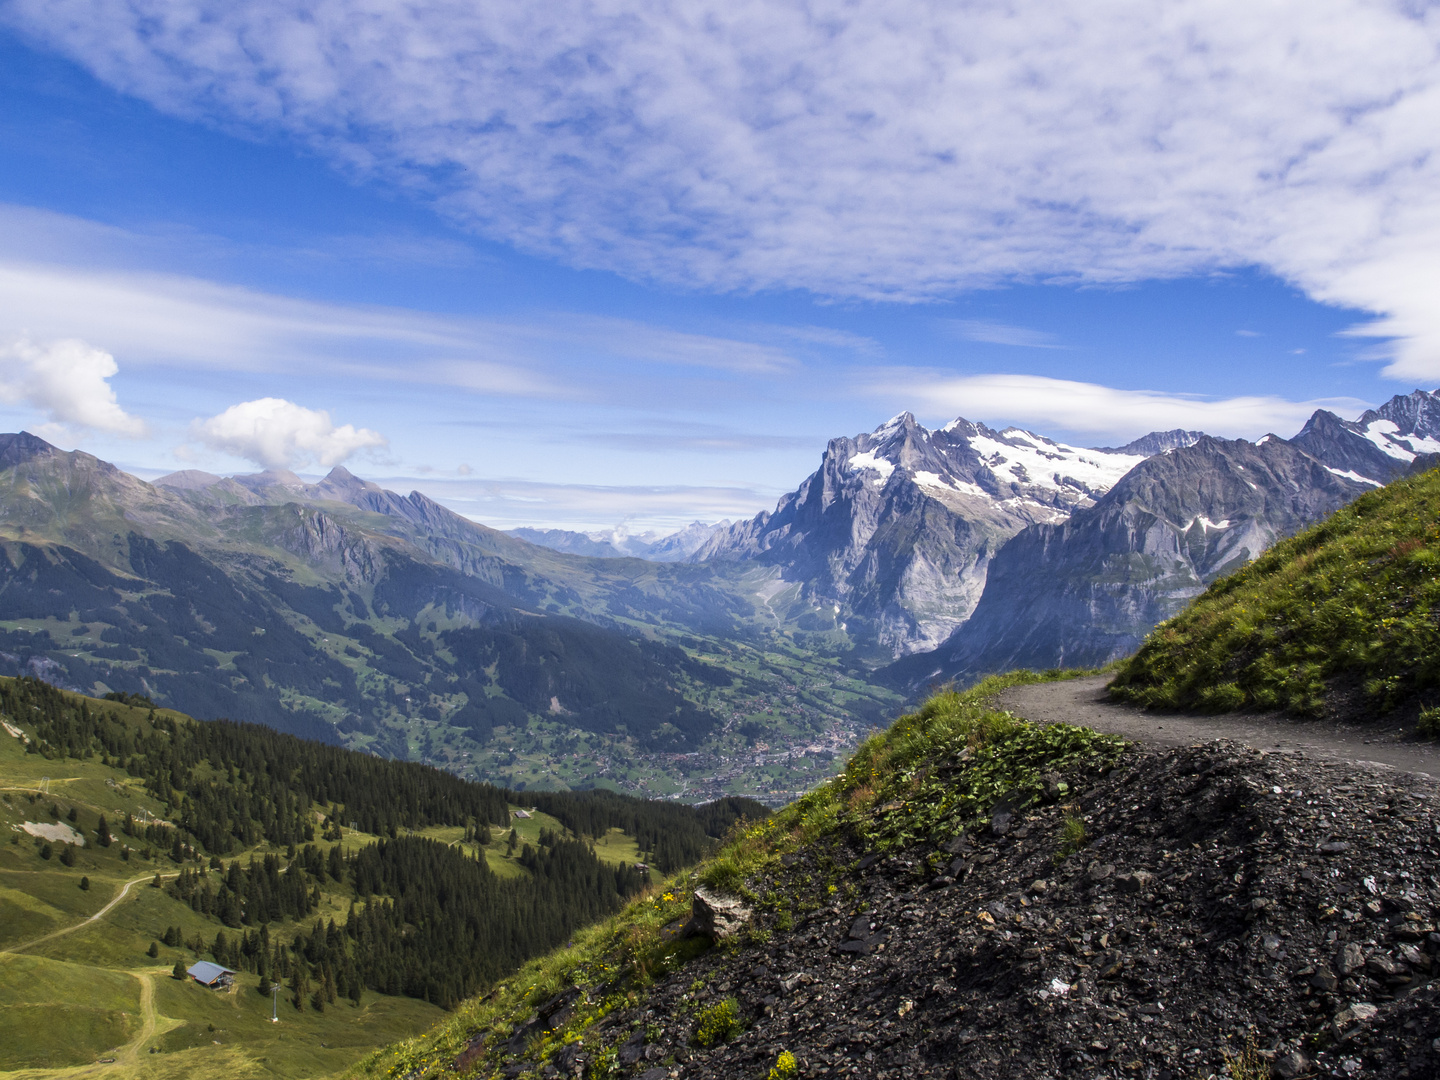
column 1342, row 618
column 249, row 833
column 931, row 774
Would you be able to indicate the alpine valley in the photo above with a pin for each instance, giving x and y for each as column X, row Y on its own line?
column 739, row 658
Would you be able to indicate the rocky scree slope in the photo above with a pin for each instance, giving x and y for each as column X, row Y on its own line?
column 1117, row 913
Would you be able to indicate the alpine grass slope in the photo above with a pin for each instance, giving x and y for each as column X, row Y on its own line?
column 1343, row 619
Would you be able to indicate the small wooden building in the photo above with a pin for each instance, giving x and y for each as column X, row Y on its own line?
column 212, row 975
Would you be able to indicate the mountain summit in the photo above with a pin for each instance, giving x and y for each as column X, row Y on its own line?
column 890, row 540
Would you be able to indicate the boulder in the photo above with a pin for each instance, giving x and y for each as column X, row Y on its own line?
column 715, row 915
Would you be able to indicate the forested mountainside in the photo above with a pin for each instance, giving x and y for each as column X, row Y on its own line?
column 1088, row 590
column 349, row 614
column 429, row 919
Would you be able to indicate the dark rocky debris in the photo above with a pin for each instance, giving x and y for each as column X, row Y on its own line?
column 1226, row 898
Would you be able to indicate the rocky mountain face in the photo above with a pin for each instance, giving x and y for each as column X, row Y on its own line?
column 891, row 539
column 1087, row 590
column 1383, row 444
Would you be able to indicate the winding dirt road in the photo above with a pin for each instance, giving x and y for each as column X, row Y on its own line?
column 1085, row 702
column 84, row 922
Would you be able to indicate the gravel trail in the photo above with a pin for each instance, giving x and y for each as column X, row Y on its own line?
column 1085, row 702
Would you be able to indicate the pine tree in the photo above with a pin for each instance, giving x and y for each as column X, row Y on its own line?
column 178, row 971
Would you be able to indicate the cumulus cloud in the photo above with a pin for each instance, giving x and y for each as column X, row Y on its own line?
column 1091, row 409
column 276, row 434
column 900, row 149
column 67, row 380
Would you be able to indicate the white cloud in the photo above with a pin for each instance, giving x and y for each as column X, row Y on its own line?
column 1039, row 403
column 899, row 149
column 276, row 433
column 67, row 380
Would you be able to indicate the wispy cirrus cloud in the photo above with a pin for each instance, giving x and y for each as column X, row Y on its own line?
column 897, row 150
column 155, row 317
column 993, row 333
column 1085, row 408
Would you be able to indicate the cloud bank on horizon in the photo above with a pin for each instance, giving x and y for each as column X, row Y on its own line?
column 906, row 150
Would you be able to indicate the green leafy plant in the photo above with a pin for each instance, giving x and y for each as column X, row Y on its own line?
column 718, row 1023
column 1429, row 724
column 604, row 1065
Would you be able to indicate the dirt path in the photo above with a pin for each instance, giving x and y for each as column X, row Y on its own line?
column 126, row 1061
column 84, row 922
column 1085, row 702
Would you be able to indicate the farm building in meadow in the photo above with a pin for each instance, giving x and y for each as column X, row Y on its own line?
column 212, row 975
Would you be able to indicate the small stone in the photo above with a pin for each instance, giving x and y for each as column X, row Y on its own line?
column 1139, row 881
column 1324, row 981
column 1291, row 1065
column 1039, row 887
column 956, row 845
column 1334, row 847
column 1153, row 1008
column 1384, row 966
column 1349, row 958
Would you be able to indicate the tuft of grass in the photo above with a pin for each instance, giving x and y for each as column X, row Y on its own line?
column 1073, row 835
column 719, row 1023
column 1355, row 597
column 1248, row 1064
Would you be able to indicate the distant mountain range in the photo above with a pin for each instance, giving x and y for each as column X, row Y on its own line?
column 338, row 610
column 1087, row 590
column 890, row 540
column 342, row 610
column 678, row 546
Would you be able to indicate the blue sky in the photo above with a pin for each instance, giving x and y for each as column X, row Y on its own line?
column 637, row 266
